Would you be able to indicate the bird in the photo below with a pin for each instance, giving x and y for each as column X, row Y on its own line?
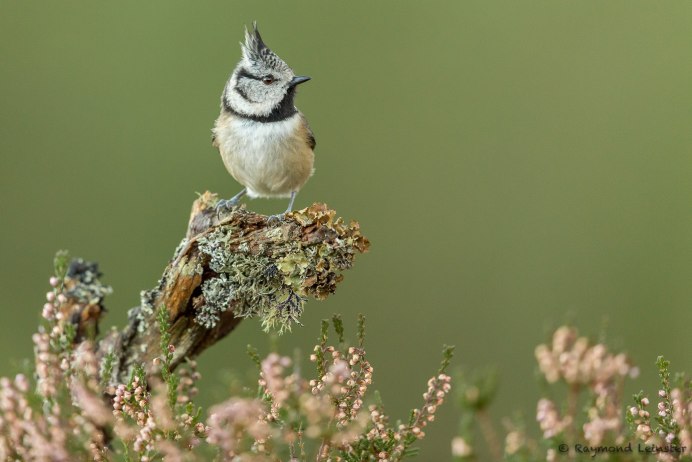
column 265, row 142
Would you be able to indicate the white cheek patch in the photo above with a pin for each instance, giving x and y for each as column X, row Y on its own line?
column 242, row 105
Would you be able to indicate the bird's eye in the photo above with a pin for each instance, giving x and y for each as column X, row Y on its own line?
column 268, row 80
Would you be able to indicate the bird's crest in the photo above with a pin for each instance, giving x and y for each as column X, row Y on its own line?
column 256, row 53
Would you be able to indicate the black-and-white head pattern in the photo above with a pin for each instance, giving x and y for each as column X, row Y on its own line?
column 261, row 85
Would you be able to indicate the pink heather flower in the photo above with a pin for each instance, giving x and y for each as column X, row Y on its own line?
column 21, row 382
column 53, row 281
column 645, row 401
column 661, row 393
column 460, row 448
column 48, row 311
column 90, row 402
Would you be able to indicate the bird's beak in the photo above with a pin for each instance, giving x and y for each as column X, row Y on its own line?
column 298, row 79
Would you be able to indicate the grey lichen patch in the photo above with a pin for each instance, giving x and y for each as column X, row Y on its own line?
column 285, row 264
column 218, row 294
column 84, row 284
column 84, row 295
column 183, row 244
column 215, row 245
column 146, row 308
column 255, row 281
column 252, row 282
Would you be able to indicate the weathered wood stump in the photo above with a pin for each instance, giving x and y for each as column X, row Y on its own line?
column 229, row 267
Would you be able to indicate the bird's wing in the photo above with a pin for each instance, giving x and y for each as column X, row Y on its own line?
column 310, row 135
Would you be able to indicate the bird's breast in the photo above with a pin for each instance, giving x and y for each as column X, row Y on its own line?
column 271, row 159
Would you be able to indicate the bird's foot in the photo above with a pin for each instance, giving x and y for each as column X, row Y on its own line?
column 225, row 205
column 276, row 219
column 228, row 204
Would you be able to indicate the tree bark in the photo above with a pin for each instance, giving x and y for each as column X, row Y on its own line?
column 229, row 266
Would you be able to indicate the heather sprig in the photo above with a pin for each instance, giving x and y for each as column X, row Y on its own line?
column 327, row 415
column 591, row 414
column 664, row 416
column 167, row 349
column 673, row 419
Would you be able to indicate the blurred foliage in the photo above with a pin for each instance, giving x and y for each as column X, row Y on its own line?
column 513, row 163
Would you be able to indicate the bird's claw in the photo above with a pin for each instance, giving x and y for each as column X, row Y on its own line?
column 275, row 219
column 224, row 205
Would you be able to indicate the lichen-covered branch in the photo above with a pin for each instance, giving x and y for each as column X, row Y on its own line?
column 229, row 267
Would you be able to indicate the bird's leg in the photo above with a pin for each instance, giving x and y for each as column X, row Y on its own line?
column 290, row 202
column 233, row 201
column 290, row 207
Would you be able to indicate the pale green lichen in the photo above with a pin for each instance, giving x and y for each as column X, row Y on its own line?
column 275, row 234
column 294, row 267
column 286, row 312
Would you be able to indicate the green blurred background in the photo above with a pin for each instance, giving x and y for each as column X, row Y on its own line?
column 516, row 165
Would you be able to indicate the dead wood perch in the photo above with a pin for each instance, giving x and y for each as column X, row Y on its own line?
column 227, row 268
